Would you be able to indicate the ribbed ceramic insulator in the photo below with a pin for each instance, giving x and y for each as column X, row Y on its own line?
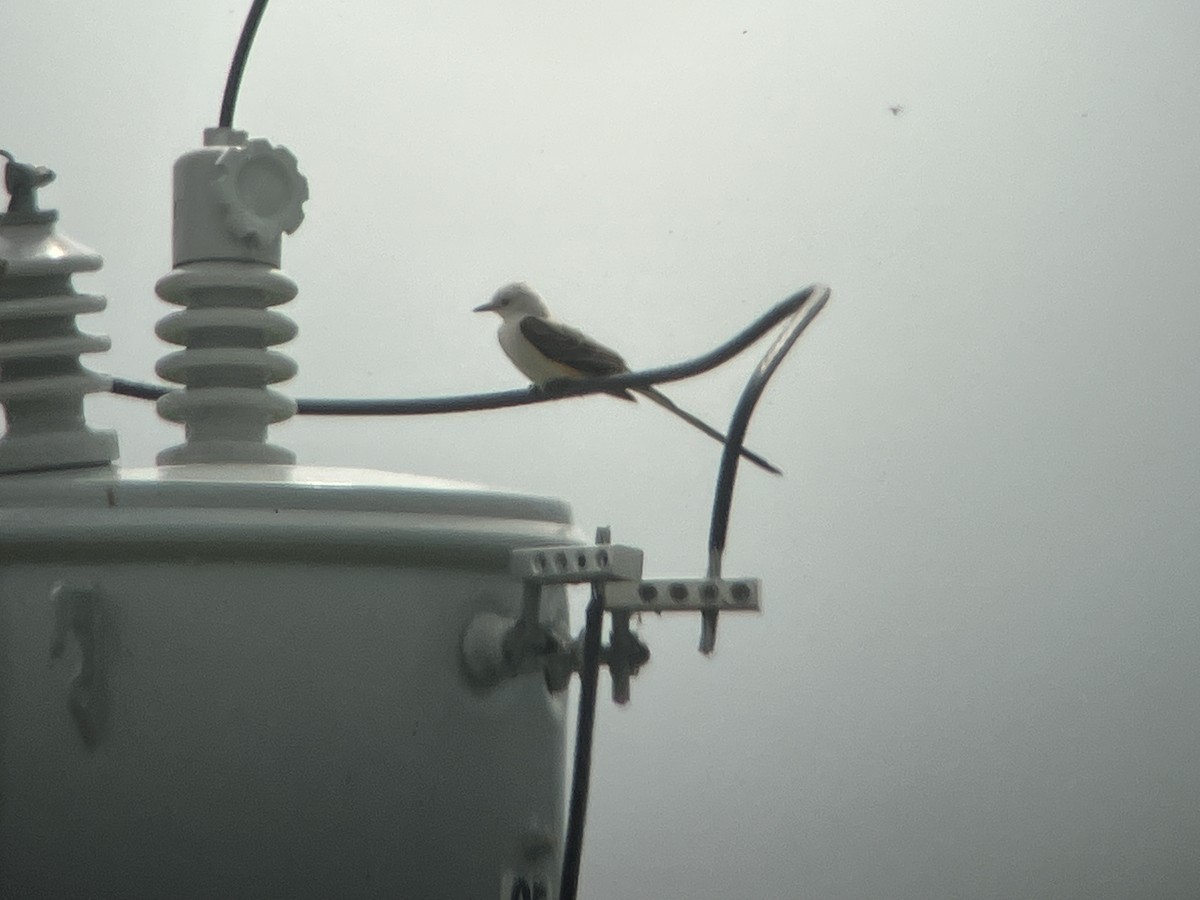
column 42, row 382
column 225, row 368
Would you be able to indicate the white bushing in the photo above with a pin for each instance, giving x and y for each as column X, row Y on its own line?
column 234, row 199
column 42, row 382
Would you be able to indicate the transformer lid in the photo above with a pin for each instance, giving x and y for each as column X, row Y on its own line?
column 271, row 512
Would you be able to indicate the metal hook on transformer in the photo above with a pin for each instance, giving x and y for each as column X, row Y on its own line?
column 21, row 181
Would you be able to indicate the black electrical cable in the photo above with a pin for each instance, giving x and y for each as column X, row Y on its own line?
column 559, row 390
column 734, row 438
column 123, row 387
column 233, row 81
column 581, row 771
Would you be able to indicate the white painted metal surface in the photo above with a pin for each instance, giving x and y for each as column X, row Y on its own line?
column 221, row 681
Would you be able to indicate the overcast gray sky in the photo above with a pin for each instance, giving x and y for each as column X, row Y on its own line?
column 976, row 675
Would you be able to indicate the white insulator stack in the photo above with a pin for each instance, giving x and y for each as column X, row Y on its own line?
column 226, row 406
column 42, row 382
column 234, row 199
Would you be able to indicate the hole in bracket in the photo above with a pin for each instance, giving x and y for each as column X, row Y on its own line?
column 647, row 592
column 708, row 592
column 539, row 562
column 602, row 559
column 740, row 592
column 560, row 560
column 582, row 560
column 678, row 591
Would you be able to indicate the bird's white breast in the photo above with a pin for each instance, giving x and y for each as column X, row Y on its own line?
column 532, row 363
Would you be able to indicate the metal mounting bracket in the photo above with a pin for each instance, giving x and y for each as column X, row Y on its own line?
column 495, row 648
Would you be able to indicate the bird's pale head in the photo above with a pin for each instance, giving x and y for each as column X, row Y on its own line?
column 517, row 299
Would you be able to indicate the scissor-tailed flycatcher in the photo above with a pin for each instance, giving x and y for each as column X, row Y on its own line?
column 545, row 350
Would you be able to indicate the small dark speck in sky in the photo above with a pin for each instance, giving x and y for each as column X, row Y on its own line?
column 896, row 110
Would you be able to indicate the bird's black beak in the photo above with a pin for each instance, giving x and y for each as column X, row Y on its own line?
column 490, row 306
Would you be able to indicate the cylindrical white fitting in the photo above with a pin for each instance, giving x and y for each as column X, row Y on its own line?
column 234, row 199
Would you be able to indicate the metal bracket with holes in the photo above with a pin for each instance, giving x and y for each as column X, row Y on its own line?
column 685, row 595
column 495, row 648
column 575, row 565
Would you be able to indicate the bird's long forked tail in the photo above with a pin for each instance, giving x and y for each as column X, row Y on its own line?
column 668, row 404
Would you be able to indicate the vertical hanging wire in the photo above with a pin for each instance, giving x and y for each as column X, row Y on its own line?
column 233, row 81
column 581, row 772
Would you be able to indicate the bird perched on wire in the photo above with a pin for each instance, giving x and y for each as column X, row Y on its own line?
column 546, row 350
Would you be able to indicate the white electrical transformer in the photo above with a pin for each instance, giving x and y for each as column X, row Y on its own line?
column 230, row 676
column 245, row 681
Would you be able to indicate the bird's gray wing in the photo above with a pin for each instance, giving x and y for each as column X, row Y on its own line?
column 570, row 347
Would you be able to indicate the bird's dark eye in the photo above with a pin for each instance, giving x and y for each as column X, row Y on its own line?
column 504, row 301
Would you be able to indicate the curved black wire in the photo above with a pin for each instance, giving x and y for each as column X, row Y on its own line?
column 736, row 435
column 233, row 81
column 723, row 497
column 558, row 390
